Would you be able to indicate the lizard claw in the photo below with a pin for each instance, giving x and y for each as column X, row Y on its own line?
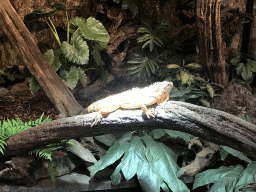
column 96, row 120
column 150, row 113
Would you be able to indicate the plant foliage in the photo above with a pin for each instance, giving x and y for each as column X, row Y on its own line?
column 227, row 178
column 244, row 66
column 152, row 36
column 144, row 67
column 153, row 163
column 11, row 127
column 129, row 4
column 89, row 35
column 190, row 85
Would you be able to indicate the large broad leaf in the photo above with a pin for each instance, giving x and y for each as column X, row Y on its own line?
column 113, row 153
column 34, row 85
column 186, row 77
column 252, row 65
column 91, row 29
column 247, row 176
column 223, row 177
column 149, row 181
column 246, row 73
column 236, row 153
column 163, row 162
column 133, row 158
column 40, row 13
column 96, row 48
column 181, row 93
column 71, row 77
column 158, row 133
column 228, row 181
column 210, row 90
column 82, row 76
column 53, row 58
column 77, row 51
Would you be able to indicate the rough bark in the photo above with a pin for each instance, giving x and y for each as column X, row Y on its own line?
column 53, row 86
column 210, row 40
column 208, row 124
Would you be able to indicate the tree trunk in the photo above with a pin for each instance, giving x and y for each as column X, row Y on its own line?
column 210, row 40
column 54, row 87
column 209, row 124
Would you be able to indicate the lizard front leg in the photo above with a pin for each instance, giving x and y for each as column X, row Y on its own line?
column 148, row 112
column 103, row 111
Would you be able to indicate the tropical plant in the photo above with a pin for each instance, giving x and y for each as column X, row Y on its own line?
column 153, row 162
column 152, row 35
column 227, row 178
column 145, row 68
column 10, row 74
column 190, row 85
column 89, row 35
column 11, row 127
column 244, row 66
column 129, row 4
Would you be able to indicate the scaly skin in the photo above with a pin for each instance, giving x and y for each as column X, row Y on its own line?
column 132, row 99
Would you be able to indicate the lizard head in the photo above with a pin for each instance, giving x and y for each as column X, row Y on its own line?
column 164, row 87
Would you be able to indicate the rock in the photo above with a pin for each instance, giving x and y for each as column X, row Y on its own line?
column 21, row 89
column 3, row 91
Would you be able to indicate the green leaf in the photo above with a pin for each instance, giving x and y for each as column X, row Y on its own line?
column 200, row 79
column 251, row 65
column 205, row 102
column 186, row 77
column 239, row 68
column 133, row 158
column 40, row 13
column 34, row 85
column 181, row 93
column 116, row 176
column 247, row 176
column 77, row 51
column 236, row 153
column 72, row 77
column 132, row 4
column 59, row 6
column 235, row 60
column 82, row 76
column 158, row 133
column 74, row 8
column 49, row 55
column 193, row 65
column 210, row 90
column 246, row 74
column 162, row 160
column 220, row 176
column 173, row 66
column 149, row 181
column 113, row 153
column 53, row 59
column 228, row 181
column 96, row 53
column 91, row 29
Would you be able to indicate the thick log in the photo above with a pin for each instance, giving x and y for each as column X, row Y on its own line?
column 209, row 124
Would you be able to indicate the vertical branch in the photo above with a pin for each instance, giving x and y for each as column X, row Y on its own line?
column 210, row 40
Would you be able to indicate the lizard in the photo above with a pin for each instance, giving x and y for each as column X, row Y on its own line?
column 155, row 93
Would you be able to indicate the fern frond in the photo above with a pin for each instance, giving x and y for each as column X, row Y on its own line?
column 9, row 128
column 142, row 67
column 152, row 36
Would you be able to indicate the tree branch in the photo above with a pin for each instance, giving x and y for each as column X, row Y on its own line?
column 209, row 124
